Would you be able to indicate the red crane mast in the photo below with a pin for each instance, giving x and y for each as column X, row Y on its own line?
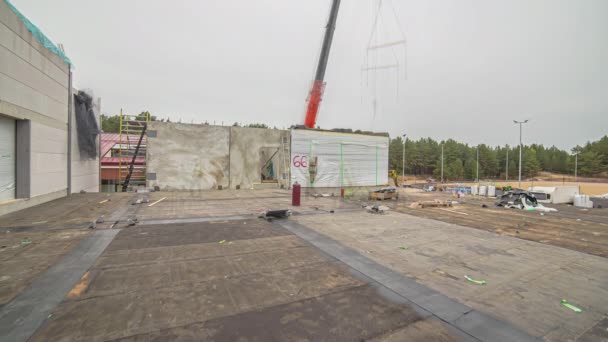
column 318, row 85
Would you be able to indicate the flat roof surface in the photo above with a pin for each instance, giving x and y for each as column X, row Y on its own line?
column 203, row 266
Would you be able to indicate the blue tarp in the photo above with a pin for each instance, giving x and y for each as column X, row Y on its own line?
column 44, row 40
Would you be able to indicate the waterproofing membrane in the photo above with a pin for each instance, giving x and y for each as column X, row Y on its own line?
column 86, row 125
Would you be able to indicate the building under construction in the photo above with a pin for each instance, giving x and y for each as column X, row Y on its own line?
column 207, row 235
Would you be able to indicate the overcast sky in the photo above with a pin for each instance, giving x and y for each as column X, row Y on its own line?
column 472, row 66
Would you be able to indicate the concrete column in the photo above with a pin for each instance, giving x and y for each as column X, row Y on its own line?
column 23, row 154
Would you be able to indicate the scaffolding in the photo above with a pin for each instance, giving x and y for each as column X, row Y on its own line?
column 132, row 149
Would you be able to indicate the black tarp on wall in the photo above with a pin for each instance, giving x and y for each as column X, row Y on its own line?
column 86, row 125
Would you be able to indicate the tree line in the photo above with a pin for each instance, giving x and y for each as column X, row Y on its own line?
column 423, row 157
column 111, row 123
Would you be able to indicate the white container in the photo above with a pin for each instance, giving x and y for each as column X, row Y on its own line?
column 582, row 201
column 491, row 191
column 483, row 190
column 474, row 189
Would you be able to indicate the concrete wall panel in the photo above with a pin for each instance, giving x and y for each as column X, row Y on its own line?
column 45, row 137
column 10, row 20
column 26, row 52
column 27, row 203
column 250, row 148
column 89, row 181
column 188, row 157
column 34, row 84
column 14, row 91
column 17, row 68
column 48, row 162
column 201, row 157
column 48, row 167
column 48, row 182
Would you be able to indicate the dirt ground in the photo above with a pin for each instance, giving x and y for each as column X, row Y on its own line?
column 583, row 230
column 591, row 189
column 592, row 186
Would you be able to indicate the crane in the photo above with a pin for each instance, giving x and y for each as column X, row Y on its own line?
column 318, row 85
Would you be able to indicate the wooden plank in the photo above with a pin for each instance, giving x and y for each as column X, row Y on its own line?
column 383, row 195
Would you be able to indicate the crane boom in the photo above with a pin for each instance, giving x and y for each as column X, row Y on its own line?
column 318, row 86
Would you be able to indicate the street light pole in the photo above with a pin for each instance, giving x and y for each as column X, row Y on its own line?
column 520, row 146
column 403, row 161
column 507, row 167
column 576, row 166
column 441, row 163
column 477, row 163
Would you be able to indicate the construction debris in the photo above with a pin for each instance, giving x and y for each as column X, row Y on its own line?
column 479, row 282
column 281, row 213
column 377, row 209
column 570, row 306
column 582, row 201
column 160, row 200
column 554, row 194
column 327, row 211
column 384, row 194
column 140, row 200
column 431, row 204
column 454, row 211
column 518, row 199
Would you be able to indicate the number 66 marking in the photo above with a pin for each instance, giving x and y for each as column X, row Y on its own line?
column 300, row 161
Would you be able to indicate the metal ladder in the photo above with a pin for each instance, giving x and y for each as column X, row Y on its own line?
column 125, row 184
column 133, row 143
column 286, row 148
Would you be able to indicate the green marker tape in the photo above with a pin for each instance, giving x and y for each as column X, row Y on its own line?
column 223, row 241
column 404, row 248
column 479, row 282
column 570, row 306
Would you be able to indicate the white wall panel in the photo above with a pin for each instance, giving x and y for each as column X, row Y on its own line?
column 342, row 159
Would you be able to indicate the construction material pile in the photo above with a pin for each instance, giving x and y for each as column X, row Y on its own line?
column 384, row 193
column 431, row 204
column 519, row 199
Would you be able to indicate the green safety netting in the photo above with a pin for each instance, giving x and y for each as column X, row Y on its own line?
column 44, row 40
